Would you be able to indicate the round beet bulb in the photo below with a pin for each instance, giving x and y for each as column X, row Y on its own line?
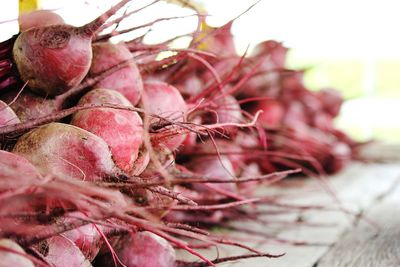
column 56, row 58
column 39, row 18
column 67, row 151
column 121, row 129
column 53, row 59
column 127, row 80
column 165, row 100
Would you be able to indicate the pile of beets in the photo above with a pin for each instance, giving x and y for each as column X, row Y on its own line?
column 112, row 157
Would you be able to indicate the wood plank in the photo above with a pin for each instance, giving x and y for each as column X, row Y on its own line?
column 358, row 186
column 371, row 245
column 381, row 151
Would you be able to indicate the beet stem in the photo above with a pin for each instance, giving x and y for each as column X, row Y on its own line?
column 226, row 259
column 91, row 28
column 7, row 82
column 116, row 32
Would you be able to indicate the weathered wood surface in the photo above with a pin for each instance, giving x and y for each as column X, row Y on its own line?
column 358, row 187
column 371, row 245
column 381, row 151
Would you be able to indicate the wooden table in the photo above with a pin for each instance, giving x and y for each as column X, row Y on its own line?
column 363, row 230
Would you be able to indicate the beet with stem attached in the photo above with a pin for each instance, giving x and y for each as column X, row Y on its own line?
column 55, row 58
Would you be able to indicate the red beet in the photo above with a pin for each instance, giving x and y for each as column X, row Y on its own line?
column 219, row 40
column 67, row 151
column 227, row 148
column 217, row 168
column 249, row 170
column 29, row 106
column 143, row 249
column 53, row 59
column 127, row 80
column 273, row 113
column 121, row 129
column 38, row 18
column 7, row 115
column 295, row 115
column 228, row 110
column 340, row 156
column 164, row 156
column 323, row 121
column 331, row 100
column 190, row 86
column 87, row 237
column 13, row 166
column 62, row 252
column 165, row 100
column 275, row 50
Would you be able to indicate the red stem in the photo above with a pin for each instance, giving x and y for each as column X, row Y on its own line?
column 91, row 28
column 226, row 259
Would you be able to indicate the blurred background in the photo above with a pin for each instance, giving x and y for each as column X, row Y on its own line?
column 352, row 45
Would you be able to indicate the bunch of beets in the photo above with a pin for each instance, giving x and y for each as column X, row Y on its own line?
column 112, row 157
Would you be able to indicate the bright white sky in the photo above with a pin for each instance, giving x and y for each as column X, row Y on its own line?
column 341, row 28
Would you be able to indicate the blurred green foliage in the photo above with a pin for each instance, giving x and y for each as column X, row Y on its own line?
column 345, row 75
column 388, row 78
column 349, row 77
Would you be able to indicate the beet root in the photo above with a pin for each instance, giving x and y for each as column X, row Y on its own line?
column 38, row 18
column 143, row 249
column 52, row 59
column 127, row 80
column 219, row 168
column 13, row 167
column 87, row 237
column 29, row 106
column 55, row 58
column 62, row 252
column 165, row 100
column 67, row 151
column 121, row 129
column 273, row 113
